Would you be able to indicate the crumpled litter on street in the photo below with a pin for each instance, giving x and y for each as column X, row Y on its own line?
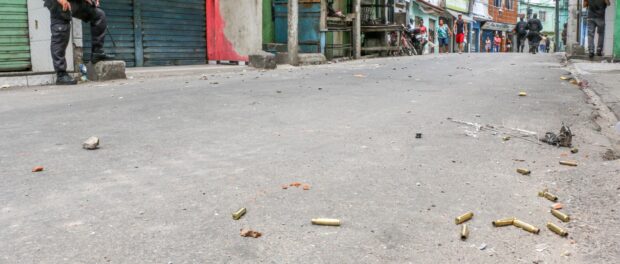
column 563, row 139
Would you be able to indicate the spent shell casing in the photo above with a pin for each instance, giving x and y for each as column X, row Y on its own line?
column 503, row 222
column 562, row 216
column 551, row 197
column 568, row 163
column 524, row 171
column 326, row 222
column 464, row 232
column 239, row 213
column 556, row 229
column 464, row 218
column 525, row 226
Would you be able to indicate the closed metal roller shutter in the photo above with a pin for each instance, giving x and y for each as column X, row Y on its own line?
column 154, row 32
column 14, row 41
column 120, row 17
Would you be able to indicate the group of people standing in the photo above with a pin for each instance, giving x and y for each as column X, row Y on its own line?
column 495, row 45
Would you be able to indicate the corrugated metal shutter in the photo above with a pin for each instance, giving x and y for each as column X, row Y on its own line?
column 119, row 14
column 173, row 32
column 14, row 41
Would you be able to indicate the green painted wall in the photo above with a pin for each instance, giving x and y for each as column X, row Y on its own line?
column 14, row 41
column 268, row 23
column 617, row 33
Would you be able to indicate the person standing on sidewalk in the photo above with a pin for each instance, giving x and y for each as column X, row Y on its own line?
column 596, row 23
column 443, row 32
column 61, row 12
column 521, row 30
column 533, row 36
column 497, row 43
column 487, row 45
column 460, row 28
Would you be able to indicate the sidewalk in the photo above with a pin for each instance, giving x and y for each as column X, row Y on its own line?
column 604, row 79
column 27, row 79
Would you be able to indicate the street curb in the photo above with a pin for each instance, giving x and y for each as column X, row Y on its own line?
column 612, row 102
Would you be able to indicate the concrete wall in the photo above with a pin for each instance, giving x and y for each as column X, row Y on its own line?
column 243, row 24
column 40, row 37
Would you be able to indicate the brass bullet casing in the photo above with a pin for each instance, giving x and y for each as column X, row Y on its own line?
column 562, row 216
column 524, row 171
column 568, row 163
column 239, row 213
column 556, row 229
column 326, row 222
column 525, row 226
column 548, row 195
column 522, row 94
column 464, row 232
column 503, row 222
column 464, row 218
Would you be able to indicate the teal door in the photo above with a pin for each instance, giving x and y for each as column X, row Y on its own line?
column 14, row 41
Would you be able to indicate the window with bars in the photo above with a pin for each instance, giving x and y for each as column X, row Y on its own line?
column 542, row 16
column 508, row 4
column 497, row 3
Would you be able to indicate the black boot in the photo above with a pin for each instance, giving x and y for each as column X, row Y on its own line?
column 599, row 53
column 100, row 56
column 591, row 54
column 62, row 78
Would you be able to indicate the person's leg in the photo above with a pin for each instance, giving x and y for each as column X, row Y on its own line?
column 591, row 31
column 600, row 25
column 59, row 42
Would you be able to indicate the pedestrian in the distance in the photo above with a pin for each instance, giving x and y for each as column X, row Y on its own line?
column 533, row 36
column 543, row 42
column 443, row 32
column 547, row 43
column 521, row 30
column 460, row 28
column 61, row 12
column 508, row 45
column 487, row 45
column 497, row 43
column 596, row 24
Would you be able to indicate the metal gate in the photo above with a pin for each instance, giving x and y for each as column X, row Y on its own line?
column 14, row 41
column 154, row 32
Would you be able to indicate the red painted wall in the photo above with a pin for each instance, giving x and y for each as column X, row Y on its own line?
column 218, row 46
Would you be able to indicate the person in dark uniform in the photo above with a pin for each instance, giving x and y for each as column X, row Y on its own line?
column 61, row 12
column 596, row 23
column 521, row 30
column 533, row 36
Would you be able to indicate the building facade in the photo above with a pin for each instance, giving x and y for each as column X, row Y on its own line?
column 140, row 32
column 504, row 13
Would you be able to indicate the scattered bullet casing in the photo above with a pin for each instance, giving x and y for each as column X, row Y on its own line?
column 525, row 226
column 464, row 218
column 556, row 229
column 503, row 222
column 522, row 94
column 326, row 222
column 562, row 216
column 568, row 163
column 524, row 171
column 549, row 196
column 239, row 213
column 464, row 232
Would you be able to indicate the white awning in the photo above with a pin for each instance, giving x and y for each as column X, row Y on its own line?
column 456, row 15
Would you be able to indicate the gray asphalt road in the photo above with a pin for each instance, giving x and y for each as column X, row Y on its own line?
column 179, row 155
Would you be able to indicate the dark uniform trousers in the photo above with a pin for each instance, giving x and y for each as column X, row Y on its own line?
column 61, row 28
column 596, row 25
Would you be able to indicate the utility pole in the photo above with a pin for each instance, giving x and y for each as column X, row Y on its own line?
column 556, row 47
column 357, row 34
column 293, row 38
